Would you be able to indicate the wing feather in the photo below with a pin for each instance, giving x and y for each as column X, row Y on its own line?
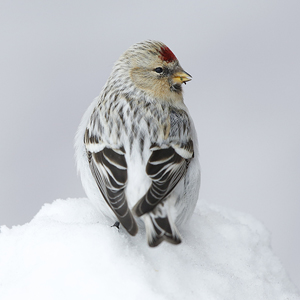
column 165, row 167
column 109, row 169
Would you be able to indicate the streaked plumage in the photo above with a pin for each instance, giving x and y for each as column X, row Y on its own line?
column 136, row 146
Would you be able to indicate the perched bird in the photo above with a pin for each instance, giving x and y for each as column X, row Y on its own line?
column 136, row 146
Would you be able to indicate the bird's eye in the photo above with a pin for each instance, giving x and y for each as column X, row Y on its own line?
column 158, row 70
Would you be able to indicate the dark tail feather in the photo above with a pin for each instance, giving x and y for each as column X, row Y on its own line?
column 160, row 229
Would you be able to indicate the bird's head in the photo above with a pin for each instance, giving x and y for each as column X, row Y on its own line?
column 154, row 69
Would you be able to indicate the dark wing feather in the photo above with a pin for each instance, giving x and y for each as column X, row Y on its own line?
column 109, row 169
column 165, row 167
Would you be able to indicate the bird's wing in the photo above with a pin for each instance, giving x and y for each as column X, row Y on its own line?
column 109, row 169
column 165, row 167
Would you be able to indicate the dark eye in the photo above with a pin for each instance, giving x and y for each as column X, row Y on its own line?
column 158, row 70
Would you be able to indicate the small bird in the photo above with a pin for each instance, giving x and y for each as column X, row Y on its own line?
column 136, row 146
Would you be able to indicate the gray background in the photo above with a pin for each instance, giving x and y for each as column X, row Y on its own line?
column 244, row 98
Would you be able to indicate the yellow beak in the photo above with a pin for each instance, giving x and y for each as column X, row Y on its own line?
column 181, row 77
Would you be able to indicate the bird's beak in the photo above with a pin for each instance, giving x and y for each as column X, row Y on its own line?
column 181, row 77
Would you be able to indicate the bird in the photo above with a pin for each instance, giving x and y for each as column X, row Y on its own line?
column 136, row 146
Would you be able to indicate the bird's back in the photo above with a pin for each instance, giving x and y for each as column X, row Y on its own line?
column 136, row 146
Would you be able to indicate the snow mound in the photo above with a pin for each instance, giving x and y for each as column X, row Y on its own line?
column 69, row 251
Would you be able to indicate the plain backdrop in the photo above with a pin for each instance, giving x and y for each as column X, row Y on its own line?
column 55, row 56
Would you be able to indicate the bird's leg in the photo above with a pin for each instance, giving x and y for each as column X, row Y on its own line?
column 117, row 224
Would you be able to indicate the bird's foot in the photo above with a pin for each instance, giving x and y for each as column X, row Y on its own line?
column 117, row 224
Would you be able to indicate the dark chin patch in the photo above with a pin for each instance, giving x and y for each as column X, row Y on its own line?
column 176, row 88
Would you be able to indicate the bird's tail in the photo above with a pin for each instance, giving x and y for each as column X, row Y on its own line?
column 159, row 228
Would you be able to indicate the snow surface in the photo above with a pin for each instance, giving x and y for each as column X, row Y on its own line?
column 70, row 251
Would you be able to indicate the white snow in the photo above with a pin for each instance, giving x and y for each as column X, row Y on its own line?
column 69, row 251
